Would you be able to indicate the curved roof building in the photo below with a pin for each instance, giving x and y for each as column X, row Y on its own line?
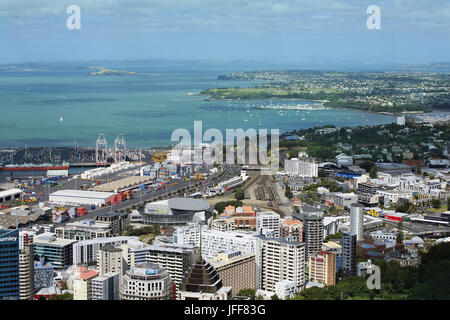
column 147, row 281
column 176, row 211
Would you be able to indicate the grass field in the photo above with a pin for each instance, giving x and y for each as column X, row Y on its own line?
column 439, row 210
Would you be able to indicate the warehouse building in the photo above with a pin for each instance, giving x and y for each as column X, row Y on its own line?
column 123, row 184
column 80, row 197
column 9, row 195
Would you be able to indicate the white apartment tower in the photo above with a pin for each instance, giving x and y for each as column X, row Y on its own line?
column 357, row 220
column 303, row 167
column 268, row 222
column 26, row 272
column 105, row 287
column 110, row 260
column 279, row 259
column 214, row 241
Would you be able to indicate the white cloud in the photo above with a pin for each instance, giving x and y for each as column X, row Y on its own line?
column 237, row 15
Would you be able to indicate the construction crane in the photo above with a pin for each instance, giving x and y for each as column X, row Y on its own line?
column 101, row 149
column 120, row 148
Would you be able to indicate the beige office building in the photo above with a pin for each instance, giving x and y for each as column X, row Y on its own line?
column 82, row 283
column 110, row 260
column 237, row 270
column 322, row 268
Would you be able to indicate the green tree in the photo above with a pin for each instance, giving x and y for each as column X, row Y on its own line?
column 367, row 165
column 247, row 293
column 418, row 170
column 239, row 194
column 436, row 203
column 220, row 206
column 403, row 206
column 435, row 282
column 287, row 192
column 64, row 296
column 373, row 173
column 332, row 237
column 400, row 232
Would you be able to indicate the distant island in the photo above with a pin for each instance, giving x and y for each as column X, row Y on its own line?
column 382, row 92
column 110, row 72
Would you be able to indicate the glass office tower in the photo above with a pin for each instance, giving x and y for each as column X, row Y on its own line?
column 9, row 264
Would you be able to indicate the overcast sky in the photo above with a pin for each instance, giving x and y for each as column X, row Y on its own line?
column 412, row 31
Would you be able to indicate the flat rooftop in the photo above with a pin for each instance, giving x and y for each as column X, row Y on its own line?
column 50, row 239
column 9, row 221
column 83, row 194
column 122, row 184
column 10, row 192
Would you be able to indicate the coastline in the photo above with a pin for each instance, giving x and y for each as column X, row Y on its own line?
column 393, row 114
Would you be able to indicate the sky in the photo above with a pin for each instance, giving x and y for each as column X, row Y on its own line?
column 412, row 31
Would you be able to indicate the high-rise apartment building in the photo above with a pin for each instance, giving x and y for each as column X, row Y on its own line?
column 105, row 287
column 175, row 258
column 214, row 242
column 82, row 283
column 312, row 221
column 110, row 260
column 268, row 222
column 43, row 275
column 357, row 220
column 135, row 252
column 26, row 272
column 291, row 227
column 322, row 268
column 27, row 236
column 237, row 270
column 349, row 253
column 279, row 259
column 188, row 235
column 303, row 167
column 86, row 251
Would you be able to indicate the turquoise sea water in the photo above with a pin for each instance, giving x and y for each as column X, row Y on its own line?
column 146, row 109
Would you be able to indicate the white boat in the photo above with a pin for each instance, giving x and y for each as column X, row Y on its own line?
column 61, row 119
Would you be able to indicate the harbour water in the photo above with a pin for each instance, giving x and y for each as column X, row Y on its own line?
column 55, row 108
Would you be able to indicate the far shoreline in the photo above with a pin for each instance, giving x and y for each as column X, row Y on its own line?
column 387, row 113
